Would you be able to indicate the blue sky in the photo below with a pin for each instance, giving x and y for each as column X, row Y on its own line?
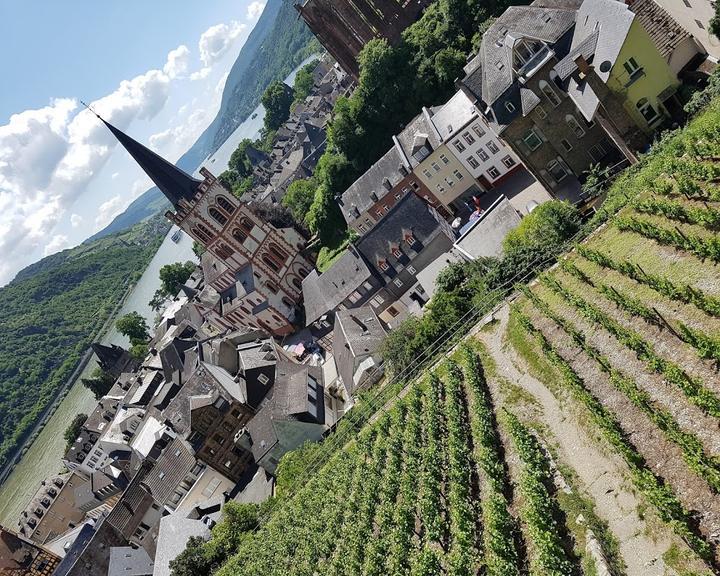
column 155, row 68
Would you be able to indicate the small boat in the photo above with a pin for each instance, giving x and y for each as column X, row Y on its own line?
column 176, row 236
column 253, row 116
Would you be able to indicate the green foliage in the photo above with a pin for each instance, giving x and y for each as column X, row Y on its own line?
column 646, row 482
column 706, row 217
column 545, row 228
column 99, row 382
column 239, row 162
column 172, row 276
column 299, row 198
column 714, row 28
column 540, row 509
column 693, row 388
column 73, row 430
column 304, row 81
column 198, row 249
column 276, row 99
column 52, row 312
column 134, row 327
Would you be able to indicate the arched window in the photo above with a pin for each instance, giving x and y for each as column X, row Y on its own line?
column 218, row 216
column 549, row 93
column 202, row 232
column 271, row 286
column 270, row 263
column 224, row 251
column 278, row 253
column 225, row 204
column 575, row 125
column 303, row 273
column 647, row 110
column 289, row 303
column 296, row 282
column 239, row 235
column 246, row 224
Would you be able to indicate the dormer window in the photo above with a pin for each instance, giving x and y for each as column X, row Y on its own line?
column 396, row 252
column 383, row 264
column 409, row 239
column 510, row 107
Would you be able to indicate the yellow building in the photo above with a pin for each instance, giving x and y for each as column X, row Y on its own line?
column 636, row 51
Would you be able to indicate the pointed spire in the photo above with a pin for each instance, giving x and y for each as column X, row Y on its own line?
column 175, row 183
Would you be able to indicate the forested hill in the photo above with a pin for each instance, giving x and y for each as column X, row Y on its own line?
column 51, row 312
column 277, row 44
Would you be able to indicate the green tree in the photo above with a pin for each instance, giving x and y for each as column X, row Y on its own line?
column 198, row 249
column 277, row 100
column 134, row 327
column 73, row 430
column 193, row 561
column 304, row 81
column 715, row 21
column 99, row 382
column 544, row 229
column 299, row 197
column 239, row 162
column 172, row 276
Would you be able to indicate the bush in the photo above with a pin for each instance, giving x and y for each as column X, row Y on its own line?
column 544, row 229
column 73, row 430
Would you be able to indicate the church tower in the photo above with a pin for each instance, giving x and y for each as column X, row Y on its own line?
column 255, row 264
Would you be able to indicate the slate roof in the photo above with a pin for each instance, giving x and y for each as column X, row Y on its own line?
column 361, row 334
column 175, row 463
column 174, row 533
column 454, row 115
column 323, row 292
column 546, row 24
column 409, row 215
column 612, row 19
column 665, row 32
column 566, row 67
column 359, row 194
column 529, row 100
column 129, row 561
column 418, row 126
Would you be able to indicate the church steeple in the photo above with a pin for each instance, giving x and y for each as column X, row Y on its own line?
column 175, row 183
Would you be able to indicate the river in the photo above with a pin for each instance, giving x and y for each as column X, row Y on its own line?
column 42, row 458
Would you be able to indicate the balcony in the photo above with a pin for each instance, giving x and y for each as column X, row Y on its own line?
column 535, row 63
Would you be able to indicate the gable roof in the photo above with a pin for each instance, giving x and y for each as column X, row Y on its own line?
column 324, row 292
column 662, row 28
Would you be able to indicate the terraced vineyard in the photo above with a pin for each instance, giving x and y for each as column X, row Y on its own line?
column 578, row 433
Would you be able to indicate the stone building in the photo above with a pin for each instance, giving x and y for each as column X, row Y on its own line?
column 343, row 27
column 254, row 259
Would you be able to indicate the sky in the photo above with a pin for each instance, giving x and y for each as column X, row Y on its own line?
column 153, row 68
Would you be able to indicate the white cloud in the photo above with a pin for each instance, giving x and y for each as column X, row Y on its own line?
column 75, row 220
column 115, row 175
column 108, row 210
column 178, row 61
column 217, row 40
column 255, row 9
column 201, row 74
column 57, row 243
column 48, row 157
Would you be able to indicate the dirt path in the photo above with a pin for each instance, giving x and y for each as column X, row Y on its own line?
column 602, row 476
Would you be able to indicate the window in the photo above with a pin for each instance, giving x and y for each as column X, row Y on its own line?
column 392, row 311
column 239, row 235
column 575, row 125
column 379, row 214
column 565, row 143
column 270, row 263
column 493, row 147
column 444, row 159
column 218, row 216
column 458, row 174
column 426, row 172
column 399, row 195
column 398, row 282
column 396, row 252
column 508, row 161
column 436, row 167
column 483, row 155
column 493, row 172
column 247, row 225
column 202, row 232
column 699, row 24
column 361, row 228
column 549, row 93
column 478, row 130
column 278, row 253
column 647, row 110
column 354, row 297
column 557, row 171
column 225, row 204
column 468, row 138
column 632, row 67
column 474, row 163
column 540, row 112
column 377, row 301
column 440, row 189
column 459, row 146
column 263, row 379
column 383, row 264
column 410, row 239
column 367, row 286
column 411, row 270
column 161, row 475
column 532, row 140
column 228, row 464
column 598, row 152
column 509, row 106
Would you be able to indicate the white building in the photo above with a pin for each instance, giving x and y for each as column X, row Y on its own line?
column 467, row 135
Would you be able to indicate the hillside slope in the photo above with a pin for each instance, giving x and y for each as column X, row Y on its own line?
column 50, row 314
column 579, row 436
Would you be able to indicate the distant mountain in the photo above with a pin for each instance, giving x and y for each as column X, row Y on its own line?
column 279, row 42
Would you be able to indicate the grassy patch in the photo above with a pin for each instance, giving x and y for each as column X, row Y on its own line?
column 680, row 560
column 329, row 254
